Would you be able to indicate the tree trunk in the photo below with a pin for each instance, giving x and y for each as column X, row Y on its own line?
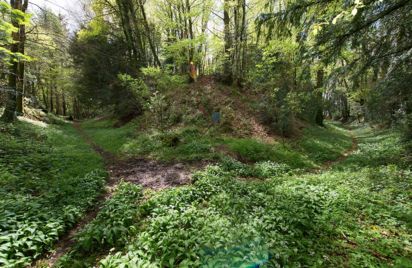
column 127, row 30
column 319, row 107
column 9, row 114
column 51, row 100
column 20, row 71
column 58, row 108
column 227, row 66
column 151, row 42
column 64, row 105
column 345, row 111
column 45, row 99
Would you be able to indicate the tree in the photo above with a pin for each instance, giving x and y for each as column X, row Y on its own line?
column 227, row 65
column 235, row 41
column 362, row 43
column 18, row 20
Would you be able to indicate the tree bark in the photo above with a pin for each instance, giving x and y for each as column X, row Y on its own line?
column 21, row 65
column 51, row 100
column 64, row 104
column 319, row 108
column 149, row 37
column 227, row 66
column 9, row 114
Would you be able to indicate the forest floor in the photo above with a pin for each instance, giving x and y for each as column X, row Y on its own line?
column 332, row 197
column 147, row 173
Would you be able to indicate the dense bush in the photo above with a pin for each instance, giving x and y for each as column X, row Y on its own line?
column 131, row 98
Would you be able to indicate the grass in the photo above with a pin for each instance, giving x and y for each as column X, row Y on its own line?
column 354, row 215
column 188, row 144
column 324, row 144
column 104, row 134
column 48, row 179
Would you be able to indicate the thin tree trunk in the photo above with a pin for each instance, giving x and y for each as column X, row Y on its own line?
column 64, row 105
column 9, row 114
column 45, row 99
column 58, row 108
column 21, row 65
column 319, row 108
column 51, row 100
column 190, row 30
column 151, row 42
column 227, row 66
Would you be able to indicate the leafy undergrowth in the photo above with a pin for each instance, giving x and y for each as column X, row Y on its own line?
column 111, row 228
column 357, row 214
column 48, row 179
column 316, row 146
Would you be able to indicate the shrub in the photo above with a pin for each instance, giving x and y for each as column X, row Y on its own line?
column 132, row 98
column 250, row 150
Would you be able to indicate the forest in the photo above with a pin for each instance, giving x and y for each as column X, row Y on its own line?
column 205, row 133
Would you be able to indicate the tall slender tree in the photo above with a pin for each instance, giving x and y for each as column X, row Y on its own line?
column 16, row 70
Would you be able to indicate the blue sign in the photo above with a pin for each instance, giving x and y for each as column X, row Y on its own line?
column 216, row 117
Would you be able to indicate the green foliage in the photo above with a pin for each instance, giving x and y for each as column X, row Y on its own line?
column 262, row 170
column 186, row 144
column 105, row 135
column 251, row 150
column 371, row 73
column 48, row 179
column 177, row 51
column 160, row 80
column 287, row 219
column 327, row 143
column 308, row 220
column 99, row 60
column 192, row 144
column 358, row 217
column 357, row 213
column 7, row 13
column 131, row 100
column 112, row 227
column 286, row 87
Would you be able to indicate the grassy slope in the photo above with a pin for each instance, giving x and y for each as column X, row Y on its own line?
column 48, row 178
column 355, row 215
column 103, row 133
column 317, row 145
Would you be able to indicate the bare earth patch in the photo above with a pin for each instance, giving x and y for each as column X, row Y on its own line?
column 151, row 174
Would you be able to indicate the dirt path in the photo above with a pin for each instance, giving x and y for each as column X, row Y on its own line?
column 149, row 174
column 329, row 164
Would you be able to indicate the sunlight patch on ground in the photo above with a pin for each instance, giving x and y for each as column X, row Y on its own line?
column 33, row 122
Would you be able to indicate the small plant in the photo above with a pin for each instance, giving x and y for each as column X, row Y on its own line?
column 112, row 227
column 113, row 223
